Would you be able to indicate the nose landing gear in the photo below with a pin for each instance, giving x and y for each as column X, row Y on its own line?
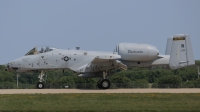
column 40, row 84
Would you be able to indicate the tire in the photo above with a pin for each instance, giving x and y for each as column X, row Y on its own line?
column 105, row 84
column 40, row 85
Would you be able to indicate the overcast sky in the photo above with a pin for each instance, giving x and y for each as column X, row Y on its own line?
column 94, row 25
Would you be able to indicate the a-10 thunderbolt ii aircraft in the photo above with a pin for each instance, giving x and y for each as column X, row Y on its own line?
column 98, row 64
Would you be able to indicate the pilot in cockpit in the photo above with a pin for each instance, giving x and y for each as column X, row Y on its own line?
column 47, row 49
column 42, row 50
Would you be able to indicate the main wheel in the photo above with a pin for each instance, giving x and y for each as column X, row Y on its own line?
column 105, row 84
column 40, row 85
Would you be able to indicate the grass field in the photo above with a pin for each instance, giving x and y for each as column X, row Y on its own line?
column 149, row 102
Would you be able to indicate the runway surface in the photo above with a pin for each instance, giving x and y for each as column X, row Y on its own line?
column 58, row 91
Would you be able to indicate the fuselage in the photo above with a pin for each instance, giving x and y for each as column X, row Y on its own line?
column 58, row 59
column 78, row 61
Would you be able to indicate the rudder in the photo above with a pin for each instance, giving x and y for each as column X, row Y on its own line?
column 181, row 54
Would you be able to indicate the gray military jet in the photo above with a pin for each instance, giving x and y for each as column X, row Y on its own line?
column 98, row 64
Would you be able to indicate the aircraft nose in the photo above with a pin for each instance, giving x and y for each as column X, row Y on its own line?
column 10, row 67
column 7, row 67
column 14, row 65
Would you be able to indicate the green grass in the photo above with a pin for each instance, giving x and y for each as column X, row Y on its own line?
column 152, row 102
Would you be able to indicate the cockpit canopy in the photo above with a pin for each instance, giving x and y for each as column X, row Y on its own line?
column 40, row 49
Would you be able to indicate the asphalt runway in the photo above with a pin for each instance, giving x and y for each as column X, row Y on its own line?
column 58, row 91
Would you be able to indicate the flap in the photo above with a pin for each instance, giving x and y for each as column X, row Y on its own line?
column 120, row 65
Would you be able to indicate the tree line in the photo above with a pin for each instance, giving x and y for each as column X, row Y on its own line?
column 132, row 78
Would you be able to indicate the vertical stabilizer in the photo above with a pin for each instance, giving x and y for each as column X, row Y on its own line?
column 169, row 45
column 181, row 54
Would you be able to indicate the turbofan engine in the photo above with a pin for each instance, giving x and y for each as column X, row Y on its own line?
column 137, row 52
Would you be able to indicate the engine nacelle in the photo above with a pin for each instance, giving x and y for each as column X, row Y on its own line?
column 137, row 52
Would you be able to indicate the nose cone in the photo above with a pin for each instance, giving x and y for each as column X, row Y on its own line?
column 14, row 65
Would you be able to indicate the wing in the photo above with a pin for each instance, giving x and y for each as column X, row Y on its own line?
column 103, row 63
column 113, row 60
column 99, row 59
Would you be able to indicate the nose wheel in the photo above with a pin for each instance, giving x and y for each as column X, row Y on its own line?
column 40, row 85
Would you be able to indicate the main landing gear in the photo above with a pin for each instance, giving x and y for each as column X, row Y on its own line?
column 40, row 84
column 103, row 83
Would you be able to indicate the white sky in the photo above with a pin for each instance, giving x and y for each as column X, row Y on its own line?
column 94, row 25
